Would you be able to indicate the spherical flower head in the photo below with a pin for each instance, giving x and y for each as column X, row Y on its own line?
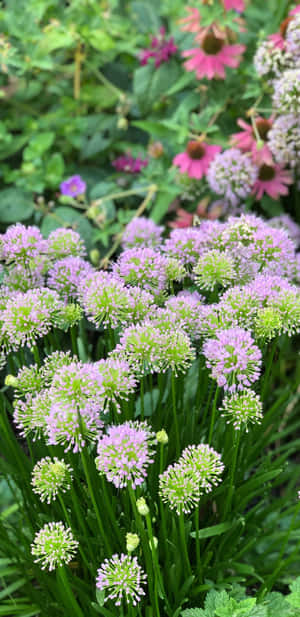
column 240, row 305
column 293, row 36
column 29, row 316
column 179, row 488
column 28, row 380
column 73, row 186
column 125, row 453
column 51, row 477
column 284, row 221
column 141, row 303
column 267, row 324
column 68, row 316
column 31, row 415
column 161, row 49
column 204, row 463
column 175, row 270
column 267, row 288
column 145, row 267
column 186, row 245
column 21, row 244
column 212, row 56
column 284, row 140
column 105, row 299
column 270, row 61
column 214, row 269
column 142, row 232
column 196, row 159
column 117, row 381
column 76, row 396
column 185, row 309
column 54, row 546
column 64, row 242
column 142, row 507
column 22, row 277
column 232, row 174
column 128, row 164
column 272, row 180
column 141, row 346
column 177, row 352
column 53, row 363
column 287, row 306
column 66, row 275
column 286, row 97
column 122, row 577
column 242, row 409
column 132, row 542
column 233, row 358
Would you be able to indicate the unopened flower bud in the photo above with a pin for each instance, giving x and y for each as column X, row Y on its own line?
column 142, row 507
column 156, row 149
column 122, row 123
column 132, row 541
column 92, row 212
column 162, row 437
column 10, row 380
column 155, row 542
column 94, row 257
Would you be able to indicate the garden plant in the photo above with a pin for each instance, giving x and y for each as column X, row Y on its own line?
column 149, row 309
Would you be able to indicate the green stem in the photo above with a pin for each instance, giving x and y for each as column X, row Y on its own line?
column 265, row 383
column 213, row 416
column 156, row 563
column 66, row 515
column 67, row 593
column 74, row 341
column 36, row 355
column 198, row 561
column 94, row 502
column 183, row 543
column 142, row 395
column 237, row 437
column 174, row 408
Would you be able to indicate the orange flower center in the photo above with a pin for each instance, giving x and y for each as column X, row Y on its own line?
column 263, row 126
column 212, row 45
column 266, row 172
column 195, row 150
column 283, row 26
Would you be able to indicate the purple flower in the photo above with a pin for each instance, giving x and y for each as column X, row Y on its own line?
column 184, row 308
column 284, row 140
column 117, row 381
column 64, row 242
column 186, row 245
column 141, row 232
column 66, row 274
column 105, row 299
column 72, row 187
column 24, row 277
column 161, row 49
column 142, row 266
column 122, row 577
column 233, row 358
column 286, row 97
column 125, row 453
column 232, row 175
column 128, row 164
column 22, row 244
column 284, row 221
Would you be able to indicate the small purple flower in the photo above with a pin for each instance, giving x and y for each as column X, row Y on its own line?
column 125, row 453
column 233, row 358
column 142, row 266
column 64, row 242
column 186, row 245
column 161, row 49
column 141, row 232
column 232, row 175
column 66, row 274
column 128, row 164
column 73, row 186
column 21, row 244
column 122, row 577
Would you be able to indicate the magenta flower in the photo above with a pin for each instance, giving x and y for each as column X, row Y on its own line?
column 196, row 159
column 141, row 232
column 128, row 164
column 235, row 5
column 246, row 140
column 233, row 358
column 209, row 60
column 66, row 275
column 272, row 180
column 161, row 49
column 72, row 187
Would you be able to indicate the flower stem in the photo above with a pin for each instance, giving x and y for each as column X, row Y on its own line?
column 174, row 407
column 198, row 561
column 183, row 543
column 94, row 502
column 213, row 416
column 236, row 439
column 67, row 593
column 265, row 383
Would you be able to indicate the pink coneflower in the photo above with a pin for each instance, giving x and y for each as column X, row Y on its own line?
column 196, row 159
column 246, row 140
column 295, row 10
column 210, row 59
column 236, row 5
column 278, row 38
column 161, row 49
column 272, row 180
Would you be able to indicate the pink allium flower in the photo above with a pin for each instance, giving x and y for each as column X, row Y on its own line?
column 122, row 579
column 142, row 232
column 210, row 59
column 128, row 164
column 247, row 142
column 235, row 5
column 161, row 49
column 72, row 187
column 66, row 275
column 196, row 159
column 272, row 179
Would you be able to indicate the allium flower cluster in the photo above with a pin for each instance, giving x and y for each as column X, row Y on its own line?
column 292, row 36
column 65, row 243
column 161, row 49
column 31, row 415
column 125, row 453
column 142, row 266
column 142, row 232
column 184, row 309
column 270, row 60
column 24, row 277
column 54, row 546
column 284, row 221
column 66, row 275
column 267, row 324
column 123, row 578
column 117, row 381
column 232, row 174
column 22, row 244
column 233, row 358
column 214, row 269
column 198, row 469
column 28, row 316
column 50, row 477
column 286, row 97
column 242, row 409
column 284, row 140
column 186, row 245
column 105, row 299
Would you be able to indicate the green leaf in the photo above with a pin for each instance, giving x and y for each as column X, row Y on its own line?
column 164, row 198
column 15, row 205
column 145, row 16
column 100, row 596
column 193, row 612
column 215, row 530
column 100, row 40
column 38, row 145
column 55, row 169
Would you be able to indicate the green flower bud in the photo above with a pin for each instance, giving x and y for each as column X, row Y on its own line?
column 132, row 541
column 142, row 507
column 162, row 437
column 12, row 381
